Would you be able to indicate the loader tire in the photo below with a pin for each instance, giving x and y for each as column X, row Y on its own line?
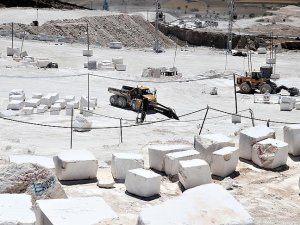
column 264, row 88
column 122, row 102
column 114, row 100
column 245, row 88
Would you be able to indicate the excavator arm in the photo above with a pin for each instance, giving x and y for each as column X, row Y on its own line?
column 293, row 91
column 166, row 111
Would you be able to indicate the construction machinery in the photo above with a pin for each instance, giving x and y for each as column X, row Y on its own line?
column 262, row 81
column 139, row 99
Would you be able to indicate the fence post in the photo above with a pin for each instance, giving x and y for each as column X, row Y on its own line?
column 72, row 114
column 121, row 130
column 207, row 108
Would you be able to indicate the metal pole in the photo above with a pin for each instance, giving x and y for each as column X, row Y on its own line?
column 88, row 91
column 87, row 33
column 72, row 114
column 121, row 130
column 252, row 117
column 235, row 99
column 12, row 35
column 204, row 120
column 156, row 27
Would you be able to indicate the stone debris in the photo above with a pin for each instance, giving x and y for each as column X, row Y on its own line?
column 75, row 165
column 250, row 136
column 193, row 173
column 206, row 144
column 122, row 162
column 224, row 161
column 81, row 124
column 291, row 135
column 270, row 153
column 143, row 183
column 208, row 204
column 157, row 153
column 33, row 179
column 105, row 178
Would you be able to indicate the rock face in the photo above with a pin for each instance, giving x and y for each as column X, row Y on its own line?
column 33, row 179
column 270, row 153
column 250, row 136
column 208, row 204
column 41, row 4
column 208, row 143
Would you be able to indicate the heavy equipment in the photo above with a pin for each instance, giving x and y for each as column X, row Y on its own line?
column 262, row 81
column 139, row 99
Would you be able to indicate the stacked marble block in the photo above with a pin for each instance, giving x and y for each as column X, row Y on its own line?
column 287, row 104
column 75, row 165
column 291, row 135
column 219, row 152
column 16, row 99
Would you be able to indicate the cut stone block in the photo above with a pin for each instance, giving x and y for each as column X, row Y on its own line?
column 75, row 165
column 143, row 183
column 297, row 106
column 270, row 153
column 172, row 160
column 158, row 152
column 193, row 173
column 286, row 106
column 41, row 108
column 87, row 53
column 74, row 211
column 206, row 144
column 15, row 209
column 92, row 65
column 43, row 63
column 120, row 67
column 15, row 105
column 81, row 124
column 16, row 97
column 291, row 135
column 69, row 109
column 208, row 204
column 122, row 162
column 17, row 94
column 105, row 178
column 33, row 102
column 115, row 45
column 13, row 51
column 287, row 99
column 27, row 110
column 54, row 97
column 70, row 98
column 44, row 161
column 37, row 95
column 117, row 60
column 62, row 103
column 236, row 118
column 55, row 109
column 86, row 112
column 75, row 104
column 250, row 136
column 46, row 100
column 224, row 161
column 84, row 102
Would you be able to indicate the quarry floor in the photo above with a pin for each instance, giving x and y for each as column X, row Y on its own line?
column 271, row 197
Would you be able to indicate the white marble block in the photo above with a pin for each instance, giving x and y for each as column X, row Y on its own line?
column 61, row 102
column 54, row 97
column 46, row 100
column 44, row 161
column 224, row 161
column 16, row 97
column 43, row 63
column 70, row 98
column 81, row 124
column 117, row 60
column 33, row 102
column 17, row 94
column 270, row 153
column 122, row 162
column 37, row 95
column 172, row 160
column 16, row 209
column 55, row 109
column 297, row 106
column 143, row 183
column 208, row 204
column 74, row 211
column 41, row 108
column 286, row 106
column 75, row 104
column 84, row 102
column 250, row 136
column 27, row 110
column 291, row 135
column 157, row 153
column 15, row 105
column 87, row 52
column 193, row 173
column 13, row 51
column 120, row 67
column 206, row 144
column 75, row 165
column 69, row 108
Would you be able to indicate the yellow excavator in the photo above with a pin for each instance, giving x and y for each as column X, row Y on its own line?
column 139, row 99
